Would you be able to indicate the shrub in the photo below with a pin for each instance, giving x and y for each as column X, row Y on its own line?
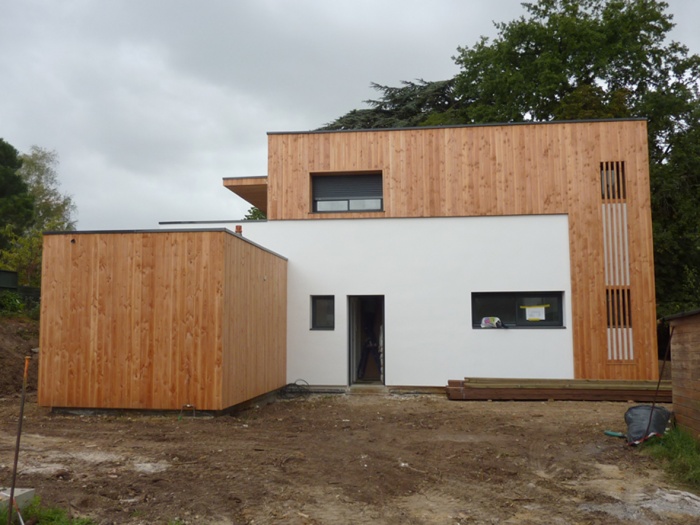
column 11, row 302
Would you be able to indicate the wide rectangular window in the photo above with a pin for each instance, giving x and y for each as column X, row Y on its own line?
column 351, row 192
column 322, row 312
column 518, row 309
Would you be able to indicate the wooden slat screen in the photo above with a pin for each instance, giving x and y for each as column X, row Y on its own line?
column 616, row 255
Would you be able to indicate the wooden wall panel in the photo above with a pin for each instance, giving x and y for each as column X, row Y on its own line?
column 685, row 352
column 550, row 168
column 136, row 320
column 255, row 322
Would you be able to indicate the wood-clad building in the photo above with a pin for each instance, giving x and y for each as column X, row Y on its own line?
column 406, row 247
column 685, row 362
column 595, row 173
column 160, row 320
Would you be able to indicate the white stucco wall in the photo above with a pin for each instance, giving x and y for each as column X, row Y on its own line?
column 426, row 269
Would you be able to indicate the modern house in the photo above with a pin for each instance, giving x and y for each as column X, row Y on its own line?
column 418, row 255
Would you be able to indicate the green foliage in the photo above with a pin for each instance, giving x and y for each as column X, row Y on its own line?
column 23, row 254
column 255, row 214
column 10, row 302
column 44, row 515
column 16, row 203
column 583, row 59
column 681, row 454
column 400, row 107
column 52, row 211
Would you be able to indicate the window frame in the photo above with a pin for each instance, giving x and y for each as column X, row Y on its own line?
column 315, row 325
column 370, row 191
column 516, row 303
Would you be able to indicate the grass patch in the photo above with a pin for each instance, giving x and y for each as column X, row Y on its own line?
column 44, row 515
column 681, row 454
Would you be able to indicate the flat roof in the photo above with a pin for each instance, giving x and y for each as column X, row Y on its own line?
column 488, row 124
column 166, row 231
column 681, row 315
column 250, row 189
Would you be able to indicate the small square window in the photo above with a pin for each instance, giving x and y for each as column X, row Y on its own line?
column 322, row 312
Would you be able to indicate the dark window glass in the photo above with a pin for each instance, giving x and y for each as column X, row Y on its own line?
column 322, row 312
column 519, row 309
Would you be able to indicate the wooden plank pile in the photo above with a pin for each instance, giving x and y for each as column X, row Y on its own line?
column 481, row 389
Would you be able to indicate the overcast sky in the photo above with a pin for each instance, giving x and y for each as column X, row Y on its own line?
column 150, row 103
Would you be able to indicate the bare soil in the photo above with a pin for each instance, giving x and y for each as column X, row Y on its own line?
column 327, row 459
column 19, row 337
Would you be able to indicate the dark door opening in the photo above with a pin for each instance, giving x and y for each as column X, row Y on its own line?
column 366, row 338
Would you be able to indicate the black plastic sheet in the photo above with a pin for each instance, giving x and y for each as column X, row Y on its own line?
column 639, row 425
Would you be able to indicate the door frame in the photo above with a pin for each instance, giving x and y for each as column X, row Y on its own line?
column 366, row 310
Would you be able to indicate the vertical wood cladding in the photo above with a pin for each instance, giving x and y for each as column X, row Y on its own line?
column 685, row 351
column 524, row 169
column 143, row 320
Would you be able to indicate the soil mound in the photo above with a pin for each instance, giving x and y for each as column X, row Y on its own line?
column 18, row 338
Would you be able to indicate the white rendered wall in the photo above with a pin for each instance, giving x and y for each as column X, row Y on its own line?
column 426, row 269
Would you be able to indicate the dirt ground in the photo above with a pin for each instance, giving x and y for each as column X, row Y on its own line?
column 18, row 338
column 336, row 459
column 346, row 459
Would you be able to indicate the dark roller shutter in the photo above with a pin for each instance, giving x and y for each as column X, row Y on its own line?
column 347, row 187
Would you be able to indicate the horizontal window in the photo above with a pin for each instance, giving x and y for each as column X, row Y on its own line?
column 322, row 312
column 347, row 192
column 517, row 309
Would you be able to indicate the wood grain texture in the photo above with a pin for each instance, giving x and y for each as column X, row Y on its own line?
column 685, row 360
column 552, row 168
column 137, row 320
column 251, row 189
column 564, row 389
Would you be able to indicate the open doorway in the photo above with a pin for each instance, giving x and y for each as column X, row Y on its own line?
column 366, row 338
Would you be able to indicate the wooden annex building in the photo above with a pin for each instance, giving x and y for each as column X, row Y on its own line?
column 401, row 244
column 160, row 320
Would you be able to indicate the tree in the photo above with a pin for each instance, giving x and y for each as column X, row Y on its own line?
column 52, row 211
column 254, row 214
column 16, row 203
column 400, row 107
column 574, row 59
column 584, row 59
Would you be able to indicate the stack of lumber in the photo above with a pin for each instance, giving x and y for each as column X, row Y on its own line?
column 475, row 389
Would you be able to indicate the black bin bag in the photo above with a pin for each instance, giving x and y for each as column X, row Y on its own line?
column 639, row 428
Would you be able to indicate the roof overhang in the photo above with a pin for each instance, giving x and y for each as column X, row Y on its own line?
column 251, row 189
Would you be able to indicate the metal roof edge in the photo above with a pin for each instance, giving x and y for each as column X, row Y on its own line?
column 680, row 315
column 175, row 230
